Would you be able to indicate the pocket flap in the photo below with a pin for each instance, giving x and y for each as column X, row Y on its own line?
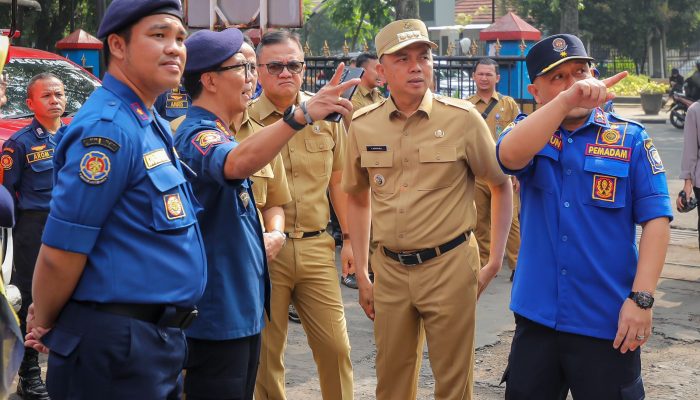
column 265, row 172
column 61, row 342
column 603, row 166
column 165, row 177
column 41, row 166
column 437, row 154
column 319, row 144
column 376, row 159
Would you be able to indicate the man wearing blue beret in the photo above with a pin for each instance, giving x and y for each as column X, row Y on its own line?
column 583, row 293
column 224, row 341
column 122, row 263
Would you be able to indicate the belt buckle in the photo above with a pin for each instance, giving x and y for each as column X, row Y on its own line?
column 410, row 259
column 295, row 235
column 187, row 321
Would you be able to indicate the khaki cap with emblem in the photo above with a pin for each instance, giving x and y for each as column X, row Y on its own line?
column 400, row 34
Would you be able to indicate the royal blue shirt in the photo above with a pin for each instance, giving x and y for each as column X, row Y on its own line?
column 582, row 195
column 173, row 103
column 120, row 198
column 238, row 286
column 27, row 160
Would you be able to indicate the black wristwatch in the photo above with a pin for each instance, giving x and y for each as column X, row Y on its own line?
column 642, row 299
column 288, row 118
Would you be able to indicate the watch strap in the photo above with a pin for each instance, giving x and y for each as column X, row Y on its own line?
column 288, row 118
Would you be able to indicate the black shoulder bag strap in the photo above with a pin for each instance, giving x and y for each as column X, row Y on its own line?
column 488, row 109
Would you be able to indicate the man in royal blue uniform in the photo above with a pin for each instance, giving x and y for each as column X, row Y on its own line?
column 122, row 262
column 224, row 341
column 27, row 161
column 583, row 292
column 173, row 103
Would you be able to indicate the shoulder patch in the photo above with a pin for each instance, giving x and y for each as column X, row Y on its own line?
column 459, row 103
column 8, row 149
column 367, row 109
column 6, row 162
column 657, row 166
column 94, row 167
column 107, row 143
column 204, row 140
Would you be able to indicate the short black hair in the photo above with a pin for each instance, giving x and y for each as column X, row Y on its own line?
column 193, row 84
column 124, row 33
column 277, row 37
column 364, row 58
column 40, row 77
column 487, row 61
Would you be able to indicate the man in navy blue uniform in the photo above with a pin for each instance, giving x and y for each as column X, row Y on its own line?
column 27, row 160
column 173, row 103
column 122, row 262
column 583, row 293
column 224, row 341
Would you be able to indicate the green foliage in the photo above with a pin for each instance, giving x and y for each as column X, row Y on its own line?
column 634, row 85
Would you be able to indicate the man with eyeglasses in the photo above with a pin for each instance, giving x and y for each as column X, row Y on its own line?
column 224, row 341
column 304, row 271
column 498, row 111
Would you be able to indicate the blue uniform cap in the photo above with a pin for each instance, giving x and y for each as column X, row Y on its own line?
column 552, row 51
column 123, row 13
column 207, row 50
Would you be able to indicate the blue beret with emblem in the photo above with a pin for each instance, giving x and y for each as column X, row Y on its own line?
column 553, row 51
column 207, row 50
column 123, row 13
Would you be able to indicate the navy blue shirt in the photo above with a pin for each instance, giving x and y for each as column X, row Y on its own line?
column 27, row 160
column 238, row 286
column 582, row 195
column 173, row 103
column 120, row 198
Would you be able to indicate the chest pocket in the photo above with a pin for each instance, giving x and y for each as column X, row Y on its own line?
column 320, row 155
column 377, row 163
column 543, row 175
column 438, row 167
column 42, row 175
column 607, row 181
column 260, row 179
column 170, row 205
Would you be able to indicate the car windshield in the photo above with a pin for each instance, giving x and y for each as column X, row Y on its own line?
column 78, row 83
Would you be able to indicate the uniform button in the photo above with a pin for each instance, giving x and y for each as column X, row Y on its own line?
column 405, row 160
column 401, row 235
column 291, row 149
column 401, row 211
column 112, row 103
column 568, row 172
column 376, row 163
column 405, row 185
column 570, row 140
column 296, row 174
column 563, row 271
column 564, row 238
column 437, row 157
column 566, row 204
column 321, row 146
column 297, row 225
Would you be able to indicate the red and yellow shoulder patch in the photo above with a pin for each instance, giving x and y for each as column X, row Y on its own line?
column 204, row 140
column 6, row 162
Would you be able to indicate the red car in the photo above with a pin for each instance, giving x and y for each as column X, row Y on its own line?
column 24, row 64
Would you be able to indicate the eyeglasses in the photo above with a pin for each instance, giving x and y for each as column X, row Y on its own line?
column 249, row 68
column 276, row 68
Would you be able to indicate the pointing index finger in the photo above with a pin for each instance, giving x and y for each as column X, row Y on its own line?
column 610, row 82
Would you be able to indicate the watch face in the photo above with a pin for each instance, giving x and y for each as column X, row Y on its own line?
column 644, row 300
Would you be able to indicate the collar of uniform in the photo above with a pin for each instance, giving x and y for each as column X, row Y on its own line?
column 266, row 108
column 202, row 114
column 365, row 92
column 39, row 131
column 126, row 95
column 475, row 99
column 426, row 105
column 244, row 120
column 598, row 117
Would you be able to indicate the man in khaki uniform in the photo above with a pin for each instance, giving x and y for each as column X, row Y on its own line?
column 367, row 92
column 304, row 270
column 415, row 155
column 498, row 111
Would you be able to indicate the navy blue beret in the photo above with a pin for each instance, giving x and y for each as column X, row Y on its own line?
column 7, row 209
column 552, row 51
column 207, row 50
column 123, row 13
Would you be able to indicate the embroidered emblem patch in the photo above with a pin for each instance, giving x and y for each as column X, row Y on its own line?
column 610, row 136
column 604, row 187
column 8, row 149
column 107, row 143
column 39, row 148
column 612, row 152
column 6, row 162
column 39, row 156
column 175, row 99
column 599, row 117
column 173, row 206
column 245, row 198
column 657, row 166
column 555, row 141
column 223, row 128
column 205, row 139
column 94, row 167
column 136, row 108
column 155, row 158
column 379, row 180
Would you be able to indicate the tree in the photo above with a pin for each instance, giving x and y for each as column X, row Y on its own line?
column 569, row 16
column 359, row 19
column 406, row 9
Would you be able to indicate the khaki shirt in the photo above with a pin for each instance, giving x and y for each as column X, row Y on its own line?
column 501, row 115
column 309, row 158
column 420, row 169
column 363, row 97
column 270, row 186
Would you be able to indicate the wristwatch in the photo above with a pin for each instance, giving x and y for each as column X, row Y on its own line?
column 643, row 299
column 288, row 118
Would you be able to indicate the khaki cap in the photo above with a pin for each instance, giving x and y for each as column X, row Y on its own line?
column 400, row 34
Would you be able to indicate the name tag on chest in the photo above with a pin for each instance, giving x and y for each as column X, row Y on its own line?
column 39, row 156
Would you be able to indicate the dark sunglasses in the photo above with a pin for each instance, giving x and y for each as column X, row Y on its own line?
column 249, row 68
column 276, row 68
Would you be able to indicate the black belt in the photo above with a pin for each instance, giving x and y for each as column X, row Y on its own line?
column 303, row 235
column 38, row 213
column 159, row 314
column 421, row 256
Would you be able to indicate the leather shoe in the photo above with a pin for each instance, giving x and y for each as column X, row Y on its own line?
column 349, row 281
column 32, row 388
column 293, row 315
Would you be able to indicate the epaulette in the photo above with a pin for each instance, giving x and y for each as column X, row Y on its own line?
column 618, row 117
column 451, row 101
column 109, row 111
column 208, row 123
column 367, row 109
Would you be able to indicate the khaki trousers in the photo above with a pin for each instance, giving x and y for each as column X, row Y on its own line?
column 434, row 300
column 482, row 231
column 304, row 273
